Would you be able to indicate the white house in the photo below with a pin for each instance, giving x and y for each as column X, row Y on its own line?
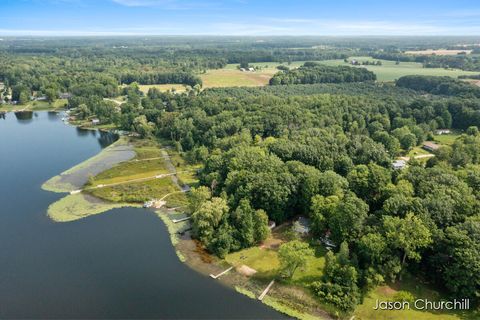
column 95, row 121
column 399, row 164
column 442, row 131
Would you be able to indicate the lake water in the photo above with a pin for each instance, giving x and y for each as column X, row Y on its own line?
column 119, row 264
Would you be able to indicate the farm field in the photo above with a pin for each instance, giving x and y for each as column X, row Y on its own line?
column 389, row 71
column 230, row 76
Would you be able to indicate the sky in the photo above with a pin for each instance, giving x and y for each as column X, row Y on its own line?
column 239, row 17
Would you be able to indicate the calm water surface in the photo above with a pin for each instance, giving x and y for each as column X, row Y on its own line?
column 115, row 265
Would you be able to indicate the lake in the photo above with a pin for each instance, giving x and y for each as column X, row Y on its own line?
column 119, row 264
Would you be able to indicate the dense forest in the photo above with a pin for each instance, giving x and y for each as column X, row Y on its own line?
column 328, row 156
column 312, row 72
column 319, row 142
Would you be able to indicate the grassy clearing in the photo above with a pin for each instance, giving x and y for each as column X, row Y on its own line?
column 418, row 290
column 78, row 206
column 136, row 192
column 446, row 139
column 130, row 170
column 313, row 270
column 186, row 172
column 176, row 200
column 265, row 261
column 230, row 77
column 417, row 151
column 36, row 106
column 390, row 71
column 163, row 87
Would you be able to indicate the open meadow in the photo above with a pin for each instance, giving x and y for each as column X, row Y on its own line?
column 390, row 71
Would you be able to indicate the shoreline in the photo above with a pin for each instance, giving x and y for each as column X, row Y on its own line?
column 187, row 249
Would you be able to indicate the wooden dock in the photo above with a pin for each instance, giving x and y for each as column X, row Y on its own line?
column 220, row 274
column 264, row 293
column 180, row 220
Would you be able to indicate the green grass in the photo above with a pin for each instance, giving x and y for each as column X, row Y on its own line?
column 35, row 106
column 389, row 71
column 313, row 270
column 417, row 151
column 418, row 290
column 163, row 87
column 265, row 261
column 284, row 307
column 230, row 76
column 137, row 191
column 446, row 139
column 186, row 171
column 130, row 170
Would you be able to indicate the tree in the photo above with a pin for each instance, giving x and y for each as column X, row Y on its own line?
column 207, row 219
column 339, row 284
column 347, row 221
column 409, row 235
column 197, row 196
column 292, row 255
column 142, row 126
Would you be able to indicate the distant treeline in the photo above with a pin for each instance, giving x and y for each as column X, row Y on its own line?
column 160, row 78
column 439, row 85
column 460, row 61
column 312, row 72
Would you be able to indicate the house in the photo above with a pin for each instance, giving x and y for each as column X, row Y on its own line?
column 302, row 226
column 399, row 164
column 442, row 131
column 243, row 69
column 430, row 146
column 95, row 121
column 65, row 95
column 251, row 69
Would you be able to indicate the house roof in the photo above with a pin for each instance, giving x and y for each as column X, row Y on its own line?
column 430, row 145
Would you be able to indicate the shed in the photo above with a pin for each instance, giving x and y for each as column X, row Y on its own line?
column 430, row 146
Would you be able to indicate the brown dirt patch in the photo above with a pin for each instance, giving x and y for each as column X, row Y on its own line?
column 246, row 270
column 387, row 291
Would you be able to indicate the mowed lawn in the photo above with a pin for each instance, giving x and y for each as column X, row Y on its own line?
column 446, row 139
column 390, row 71
column 366, row 311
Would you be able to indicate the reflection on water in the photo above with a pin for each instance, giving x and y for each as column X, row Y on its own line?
column 106, row 138
column 53, row 115
column 24, row 116
column 2, row 115
column 115, row 265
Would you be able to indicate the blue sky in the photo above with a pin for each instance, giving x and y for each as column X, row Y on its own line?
column 239, row 17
